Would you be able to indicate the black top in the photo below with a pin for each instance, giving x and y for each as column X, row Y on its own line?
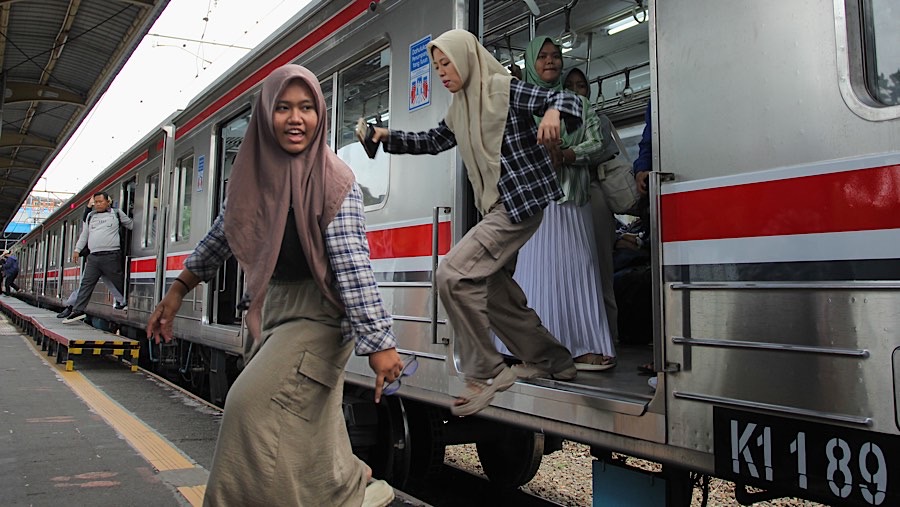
column 292, row 264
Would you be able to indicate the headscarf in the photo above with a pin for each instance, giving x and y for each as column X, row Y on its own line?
column 477, row 113
column 266, row 181
column 575, row 181
column 576, row 70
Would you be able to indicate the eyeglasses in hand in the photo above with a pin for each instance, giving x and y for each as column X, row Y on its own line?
column 409, row 367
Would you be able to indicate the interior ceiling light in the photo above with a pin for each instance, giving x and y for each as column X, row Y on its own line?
column 625, row 23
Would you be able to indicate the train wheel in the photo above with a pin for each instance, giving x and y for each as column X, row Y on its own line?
column 426, row 428
column 393, row 447
column 514, row 458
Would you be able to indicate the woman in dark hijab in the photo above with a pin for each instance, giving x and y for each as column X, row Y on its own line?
column 295, row 222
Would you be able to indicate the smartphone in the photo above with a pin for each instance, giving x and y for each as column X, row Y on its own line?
column 365, row 133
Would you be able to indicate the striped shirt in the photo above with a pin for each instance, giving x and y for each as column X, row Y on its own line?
column 366, row 321
column 527, row 178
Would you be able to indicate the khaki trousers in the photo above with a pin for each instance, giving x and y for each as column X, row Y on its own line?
column 283, row 439
column 475, row 282
column 605, row 235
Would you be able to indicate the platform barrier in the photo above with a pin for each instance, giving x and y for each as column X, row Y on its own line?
column 67, row 340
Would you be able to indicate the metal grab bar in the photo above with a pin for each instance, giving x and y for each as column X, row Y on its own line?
column 435, row 243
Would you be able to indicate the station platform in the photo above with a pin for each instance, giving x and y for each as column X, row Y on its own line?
column 97, row 434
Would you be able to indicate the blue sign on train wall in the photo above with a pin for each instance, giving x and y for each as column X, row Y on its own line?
column 419, row 74
column 201, row 165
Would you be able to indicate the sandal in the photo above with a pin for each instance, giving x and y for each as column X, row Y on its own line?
column 594, row 362
column 479, row 392
column 647, row 368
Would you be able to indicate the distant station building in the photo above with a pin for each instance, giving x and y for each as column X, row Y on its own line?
column 36, row 208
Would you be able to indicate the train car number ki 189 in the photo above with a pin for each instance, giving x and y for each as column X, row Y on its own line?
column 832, row 464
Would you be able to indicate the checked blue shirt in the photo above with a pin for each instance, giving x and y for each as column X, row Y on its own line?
column 366, row 321
column 527, row 178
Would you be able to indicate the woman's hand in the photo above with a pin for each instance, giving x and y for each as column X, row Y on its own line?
column 381, row 134
column 387, row 366
column 548, row 129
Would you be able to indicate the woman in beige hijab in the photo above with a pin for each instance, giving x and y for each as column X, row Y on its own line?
column 296, row 224
column 491, row 121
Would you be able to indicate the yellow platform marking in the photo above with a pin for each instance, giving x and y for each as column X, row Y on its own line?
column 193, row 494
column 161, row 453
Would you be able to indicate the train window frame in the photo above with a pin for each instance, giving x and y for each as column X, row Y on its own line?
column 182, row 191
column 148, row 240
column 354, row 155
column 853, row 45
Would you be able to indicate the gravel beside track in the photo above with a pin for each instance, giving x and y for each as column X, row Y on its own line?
column 565, row 478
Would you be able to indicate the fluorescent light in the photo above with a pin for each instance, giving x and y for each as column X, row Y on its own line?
column 623, row 24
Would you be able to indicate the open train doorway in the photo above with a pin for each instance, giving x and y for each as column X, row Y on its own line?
column 227, row 288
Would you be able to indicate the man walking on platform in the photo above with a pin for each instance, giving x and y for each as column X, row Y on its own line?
column 101, row 236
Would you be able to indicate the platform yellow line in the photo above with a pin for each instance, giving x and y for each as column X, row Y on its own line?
column 155, row 449
column 161, row 453
column 193, row 494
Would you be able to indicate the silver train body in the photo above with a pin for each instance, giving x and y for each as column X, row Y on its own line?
column 774, row 204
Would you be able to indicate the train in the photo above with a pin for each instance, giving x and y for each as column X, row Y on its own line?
column 774, row 230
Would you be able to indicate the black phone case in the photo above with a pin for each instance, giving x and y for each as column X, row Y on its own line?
column 369, row 145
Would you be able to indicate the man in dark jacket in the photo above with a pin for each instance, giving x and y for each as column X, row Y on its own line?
column 10, row 271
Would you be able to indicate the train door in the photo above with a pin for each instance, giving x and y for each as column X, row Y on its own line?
column 126, row 204
column 228, row 285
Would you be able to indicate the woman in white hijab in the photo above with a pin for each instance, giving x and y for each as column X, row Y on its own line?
column 491, row 120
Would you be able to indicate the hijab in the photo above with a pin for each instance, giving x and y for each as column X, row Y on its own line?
column 267, row 181
column 478, row 112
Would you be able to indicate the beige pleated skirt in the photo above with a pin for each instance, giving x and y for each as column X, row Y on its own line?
column 283, row 439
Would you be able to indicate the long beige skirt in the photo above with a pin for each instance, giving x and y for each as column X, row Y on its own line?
column 283, row 439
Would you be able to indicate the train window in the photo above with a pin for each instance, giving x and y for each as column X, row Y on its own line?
column 881, row 23
column 151, row 210
column 230, row 137
column 365, row 93
column 183, row 190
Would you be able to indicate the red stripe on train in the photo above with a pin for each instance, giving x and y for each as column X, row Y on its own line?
column 412, row 241
column 143, row 266
column 860, row 200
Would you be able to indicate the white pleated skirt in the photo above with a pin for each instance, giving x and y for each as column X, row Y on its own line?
column 558, row 271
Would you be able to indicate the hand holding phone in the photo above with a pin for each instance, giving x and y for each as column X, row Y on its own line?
column 365, row 132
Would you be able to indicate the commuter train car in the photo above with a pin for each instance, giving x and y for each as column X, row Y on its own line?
column 773, row 203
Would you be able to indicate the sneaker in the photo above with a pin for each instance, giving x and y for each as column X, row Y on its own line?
column 378, row 494
column 74, row 317
column 531, row 371
column 478, row 393
column 117, row 306
column 65, row 313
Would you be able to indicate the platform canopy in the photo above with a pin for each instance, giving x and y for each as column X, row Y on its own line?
column 58, row 58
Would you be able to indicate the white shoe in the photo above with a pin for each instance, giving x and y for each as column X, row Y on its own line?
column 652, row 381
column 378, row 494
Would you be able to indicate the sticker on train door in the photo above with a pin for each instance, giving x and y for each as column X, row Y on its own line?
column 201, row 165
column 419, row 74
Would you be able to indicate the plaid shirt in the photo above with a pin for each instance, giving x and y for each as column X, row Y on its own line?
column 366, row 320
column 527, row 178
